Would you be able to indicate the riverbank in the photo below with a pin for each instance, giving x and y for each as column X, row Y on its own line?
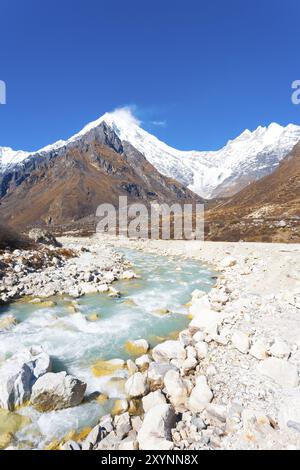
column 232, row 377
column 75, row 269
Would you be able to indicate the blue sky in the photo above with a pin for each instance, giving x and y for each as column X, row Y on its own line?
column 198, row 72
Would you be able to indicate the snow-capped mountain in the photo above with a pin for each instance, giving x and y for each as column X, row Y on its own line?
column 249, row 157
column 10, row 157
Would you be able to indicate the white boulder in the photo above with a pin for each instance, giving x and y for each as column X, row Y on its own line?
column 202, row 349
column 57, row 391
column 280, row 349
column 156, row 373
column 143, row 362
column 136, row 385
column 204, row 318
column 259, row 350
column 127, row 275
column 227, row 262
column 155, row 432
column 200, row 396
column 241, row 341
column 153, row 399
column 168, row 350
column 176, row 389
column 185, row 337
column 19, row 374
column 279, row 370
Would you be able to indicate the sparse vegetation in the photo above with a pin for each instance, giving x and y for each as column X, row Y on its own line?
column 12, row 239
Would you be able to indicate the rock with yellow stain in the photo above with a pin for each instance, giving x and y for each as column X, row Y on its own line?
column 131, row 367
column 162, row 311
column 72, row 435
column 72, row 309
column 171, row 336
column 46, row 304
column 53, row 445
column 93, row 317
column 143, row 362
column 6, row 323
column 120, row 406
column 135, row 407
column 128, row 275
column 129, row 302
column 57, row 391
column 103, row 368
column 10, row 423
column 102, row 398
column 5, row 440
column 137, row 347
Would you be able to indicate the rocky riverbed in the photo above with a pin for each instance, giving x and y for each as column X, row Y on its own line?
column 230, row 380
column 73, row 269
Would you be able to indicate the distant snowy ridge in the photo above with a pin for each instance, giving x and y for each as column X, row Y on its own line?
column 250, row 156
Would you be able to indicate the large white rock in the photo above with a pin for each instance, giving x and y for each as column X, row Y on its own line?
column 202, row 349
column 143, row 362
column 199, row 336
column 204, row 318
column 129, row 443
column 241, row 341
column 185, row 337
column 197, row 294
column 153, row 399
column 156, row 373
column 289, row 412
column 137, row 347
column 219, row 297
column 280, row 349
column 279, row 370
column 176, row 389
column 127, row 275
column 95, row 435
column 19, row 374
column 227, row 262
column 122, row 425
column 201, row 395
column 259, row 350
column 136, row 385
column 168, row 350
column 155, row 432
column 57, row 391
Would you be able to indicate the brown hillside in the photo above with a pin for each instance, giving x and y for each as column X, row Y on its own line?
column 268, row 209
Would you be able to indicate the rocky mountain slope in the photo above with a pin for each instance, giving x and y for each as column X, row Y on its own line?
column 64, row 184
column 267, row 208
column 249, row 157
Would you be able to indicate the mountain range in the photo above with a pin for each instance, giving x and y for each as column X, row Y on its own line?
column 209, row 174
column 66, row 181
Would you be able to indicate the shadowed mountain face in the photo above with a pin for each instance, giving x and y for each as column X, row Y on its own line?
column 267, row 208
column 66, row 185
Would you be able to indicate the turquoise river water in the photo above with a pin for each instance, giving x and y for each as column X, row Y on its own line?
column 76, row 343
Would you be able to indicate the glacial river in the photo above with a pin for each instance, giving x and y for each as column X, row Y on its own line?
column 76, row 343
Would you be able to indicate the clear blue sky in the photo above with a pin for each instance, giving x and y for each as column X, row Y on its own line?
column 208, row 69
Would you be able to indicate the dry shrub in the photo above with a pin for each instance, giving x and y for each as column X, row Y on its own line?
column 65, row 252
column 10, row 238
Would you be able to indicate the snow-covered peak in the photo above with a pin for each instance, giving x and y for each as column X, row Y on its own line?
column 8, row 156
